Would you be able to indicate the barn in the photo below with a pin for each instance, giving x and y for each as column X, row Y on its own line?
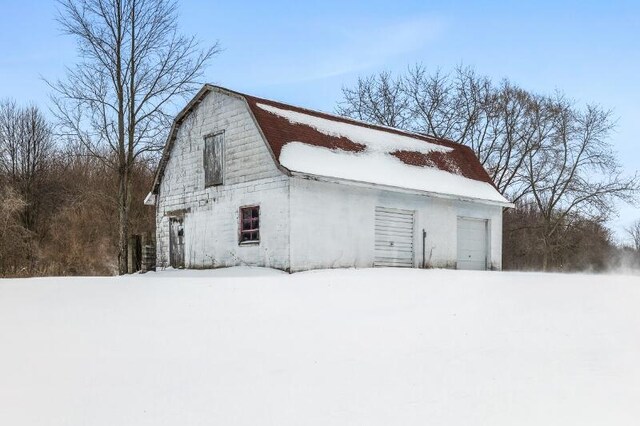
column 250, row 181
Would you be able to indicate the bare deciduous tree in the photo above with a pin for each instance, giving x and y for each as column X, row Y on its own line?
column 633, row 231
column 13, row 235
column 379, row 99
column 134, row 67
column 540, row 151
column 26, row 146
column 449, row 106
column 498, row 123
column 574, row 174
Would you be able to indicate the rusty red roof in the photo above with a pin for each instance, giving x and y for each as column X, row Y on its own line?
column 279, row 129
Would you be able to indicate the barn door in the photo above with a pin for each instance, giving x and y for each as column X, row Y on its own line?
column 393, row 237
column 176, row 242
column 472, row 243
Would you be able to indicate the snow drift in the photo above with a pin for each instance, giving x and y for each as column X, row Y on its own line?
column 366, row 347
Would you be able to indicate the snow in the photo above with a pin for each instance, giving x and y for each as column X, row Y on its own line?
column 237, row 271
column 375, row 140
column 375, row 164
column 251, row 346
column 383, row 169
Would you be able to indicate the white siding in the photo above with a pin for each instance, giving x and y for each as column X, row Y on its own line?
column 332, row 225
column 250, row 177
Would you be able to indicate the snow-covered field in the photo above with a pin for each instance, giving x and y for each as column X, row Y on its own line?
column 355, row 347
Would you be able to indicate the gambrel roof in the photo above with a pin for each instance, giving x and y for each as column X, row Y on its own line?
column 317, row 144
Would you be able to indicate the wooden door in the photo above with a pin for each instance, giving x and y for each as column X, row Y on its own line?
column 176, row 242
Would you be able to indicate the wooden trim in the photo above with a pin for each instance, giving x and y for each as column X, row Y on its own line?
column 214, row 133
column 252, row 242
column 224, row 154
column 369, row 185
column 179, row 213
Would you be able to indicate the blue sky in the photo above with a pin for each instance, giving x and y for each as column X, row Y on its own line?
column 304, row 52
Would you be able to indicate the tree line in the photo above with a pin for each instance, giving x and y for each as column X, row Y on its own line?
column 119, row 100
column 72, row 189
column 62, row 194
column 550, row 156
column 59, row 201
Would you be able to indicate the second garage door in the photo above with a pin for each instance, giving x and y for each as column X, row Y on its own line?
column 472, row 243
column 393, row 237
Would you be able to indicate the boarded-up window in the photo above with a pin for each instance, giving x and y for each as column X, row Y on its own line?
column 213, row 159
column 250, row 224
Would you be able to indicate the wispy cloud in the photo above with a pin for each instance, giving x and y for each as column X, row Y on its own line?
column 348, row 49
column 374, row 45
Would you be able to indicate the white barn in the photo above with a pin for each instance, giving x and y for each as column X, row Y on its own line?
column 249, row 181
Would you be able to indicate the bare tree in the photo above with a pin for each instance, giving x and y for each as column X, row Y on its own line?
column 13, row 235
column 26, row 146
column 516, row 121
column 447, row 106
column 574, row 174
column 498, row 122
column 378, row 99
column 540, row 151
column 134, row 67
column 633, row 231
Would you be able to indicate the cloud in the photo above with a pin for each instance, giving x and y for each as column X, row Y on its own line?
column 375, row 45
column 343, row 49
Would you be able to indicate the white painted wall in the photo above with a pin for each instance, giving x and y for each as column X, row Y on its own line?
column 250, row 177
column 332, row 225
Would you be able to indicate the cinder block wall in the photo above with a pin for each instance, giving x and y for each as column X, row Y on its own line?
column 250, row 177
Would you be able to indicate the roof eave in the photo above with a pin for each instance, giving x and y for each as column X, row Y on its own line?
column 432, row 194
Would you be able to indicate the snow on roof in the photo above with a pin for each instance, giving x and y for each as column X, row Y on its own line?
column 383, row 169
column 383, row 156
column 316, row 143
column 375, row 140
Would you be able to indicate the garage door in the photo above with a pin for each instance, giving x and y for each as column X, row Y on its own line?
column 394, row 237
column 472, row 244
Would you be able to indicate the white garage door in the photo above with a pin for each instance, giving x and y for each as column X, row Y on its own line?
column 393, row 237
column 472, row 244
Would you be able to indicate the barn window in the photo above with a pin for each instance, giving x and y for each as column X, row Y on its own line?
column 249, row 224
column 213, row 159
